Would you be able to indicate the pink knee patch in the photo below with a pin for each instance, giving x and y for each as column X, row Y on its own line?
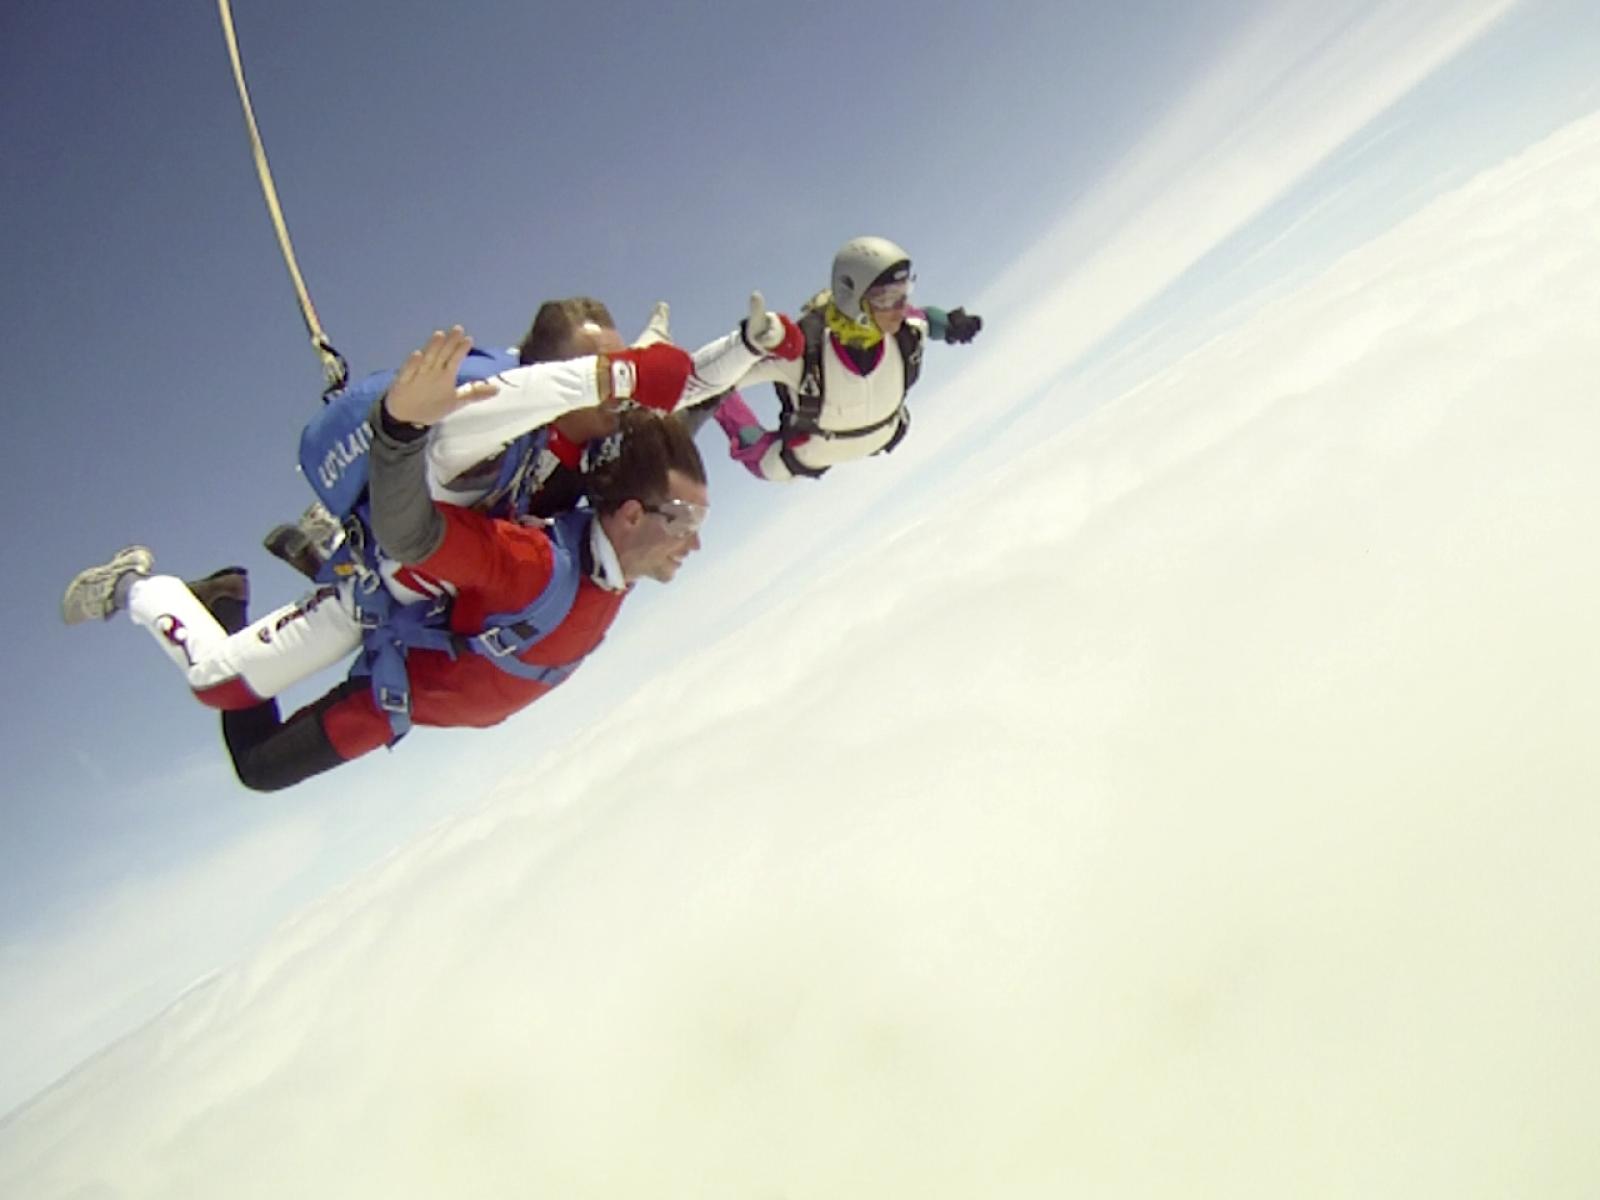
column 733, row 412
column 748, row 442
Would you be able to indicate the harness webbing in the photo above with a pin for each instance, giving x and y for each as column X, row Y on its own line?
column 335, row 372
column 801, row 408
column 800, row 412
column 390, row 629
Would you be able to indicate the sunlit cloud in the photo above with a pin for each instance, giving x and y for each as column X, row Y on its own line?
column 1201, row 802
column 1295, row 86
column 73, row 985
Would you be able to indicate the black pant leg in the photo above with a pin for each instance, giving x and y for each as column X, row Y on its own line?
column 270, row 754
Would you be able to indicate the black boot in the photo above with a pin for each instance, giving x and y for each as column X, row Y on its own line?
column 226, row 595
column 295, row 548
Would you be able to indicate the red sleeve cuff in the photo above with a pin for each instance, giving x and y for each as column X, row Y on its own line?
column 569, row 452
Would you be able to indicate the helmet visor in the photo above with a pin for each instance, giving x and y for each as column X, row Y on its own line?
column 886, row 297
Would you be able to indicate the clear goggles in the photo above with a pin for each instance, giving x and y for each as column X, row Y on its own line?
column 681, row 518
column 886, row 297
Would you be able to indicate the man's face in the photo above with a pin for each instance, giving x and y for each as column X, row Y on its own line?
column 652, row 542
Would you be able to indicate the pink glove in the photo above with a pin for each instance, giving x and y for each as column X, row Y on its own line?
column 653, row 376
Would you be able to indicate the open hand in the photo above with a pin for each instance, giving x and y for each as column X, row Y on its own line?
column 424, row 390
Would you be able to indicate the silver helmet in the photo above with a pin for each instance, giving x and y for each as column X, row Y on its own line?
column 861, row 263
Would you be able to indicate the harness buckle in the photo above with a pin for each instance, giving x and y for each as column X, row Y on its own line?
column 393, row 700
column 493, row 643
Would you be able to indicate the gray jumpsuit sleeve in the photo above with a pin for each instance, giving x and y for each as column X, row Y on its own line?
column 407, row 525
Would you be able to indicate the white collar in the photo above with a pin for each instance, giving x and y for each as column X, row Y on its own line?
column 607, row 567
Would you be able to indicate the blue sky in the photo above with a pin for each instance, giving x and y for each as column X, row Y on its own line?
column 436, row 165
column 1197, row 795
column 433, row 169
column 459, row 168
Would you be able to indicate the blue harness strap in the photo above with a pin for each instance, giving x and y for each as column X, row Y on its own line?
column 335, row 458
column 390, row 630
column 511, row 495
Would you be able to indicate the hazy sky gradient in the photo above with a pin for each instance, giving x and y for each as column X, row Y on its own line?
column 1214, row 816
column 1108, row 189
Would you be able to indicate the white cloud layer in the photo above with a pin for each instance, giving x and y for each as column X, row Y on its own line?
column 1201, row 805
column 1295, row 86
column 1298, row 83
column 68, row 991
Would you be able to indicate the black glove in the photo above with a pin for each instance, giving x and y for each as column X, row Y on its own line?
column 959, row 328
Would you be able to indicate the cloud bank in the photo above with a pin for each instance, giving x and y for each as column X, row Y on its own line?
column 1202, row 804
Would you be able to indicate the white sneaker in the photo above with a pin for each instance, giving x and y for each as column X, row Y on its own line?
column 319, row 525
column 92, row 593
column 307, row 543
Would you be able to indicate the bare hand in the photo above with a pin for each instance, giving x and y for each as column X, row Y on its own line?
column 772, row 333
column 424, row 390
column 761, row 327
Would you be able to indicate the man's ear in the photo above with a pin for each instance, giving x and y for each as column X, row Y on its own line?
column 631, row 512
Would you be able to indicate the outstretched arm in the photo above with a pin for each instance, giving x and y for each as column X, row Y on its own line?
column 529, row 397
column 424, row 391
column 763, row 342
column 534, row 395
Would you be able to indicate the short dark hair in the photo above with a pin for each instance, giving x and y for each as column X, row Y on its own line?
column 554, row 324
column 632, row 464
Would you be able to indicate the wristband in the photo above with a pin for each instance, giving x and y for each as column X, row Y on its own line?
column 396, row 429
column 624, row 379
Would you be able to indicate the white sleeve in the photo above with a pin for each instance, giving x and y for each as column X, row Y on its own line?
column 718, row 366
column 773, row 370
column 530, row 397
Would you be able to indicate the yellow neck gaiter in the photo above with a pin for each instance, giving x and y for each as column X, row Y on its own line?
column 851, row 333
